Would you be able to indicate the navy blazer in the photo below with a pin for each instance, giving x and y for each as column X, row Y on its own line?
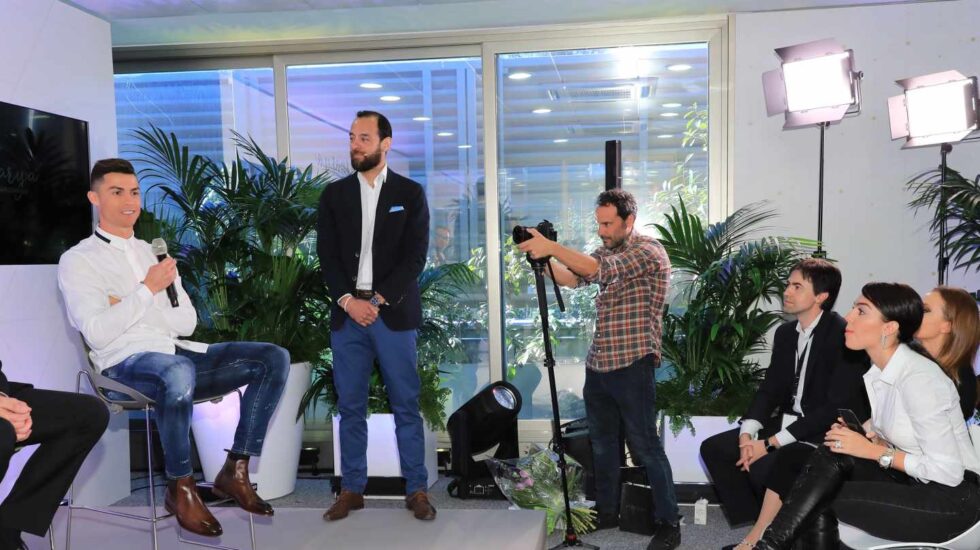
column 401, row 240
column 833, row 380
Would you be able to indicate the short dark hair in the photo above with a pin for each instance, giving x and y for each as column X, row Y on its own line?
column 384, row 126
column 623, row 201
column 109, row 166
column 824, row 276
column 897, row 302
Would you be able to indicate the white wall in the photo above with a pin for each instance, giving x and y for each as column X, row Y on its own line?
column 867, row 225
column 58, row 59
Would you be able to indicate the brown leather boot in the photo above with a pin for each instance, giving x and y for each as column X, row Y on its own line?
column 232, row 482
column 183, row 501
column 346, row 501
column 418, row 503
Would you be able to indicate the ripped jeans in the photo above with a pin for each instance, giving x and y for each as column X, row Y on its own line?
column 175, row 381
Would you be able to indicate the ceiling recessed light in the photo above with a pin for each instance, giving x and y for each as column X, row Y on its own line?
column 665, row 136
column 668, row 115
column 680, row 67
column 370, row 85
column 541, row 111
column 464, row 146
column 671, row 105
column 561, row 140
column 520, row 75
column 444, row 134
column 421, row 119
column 390, row 98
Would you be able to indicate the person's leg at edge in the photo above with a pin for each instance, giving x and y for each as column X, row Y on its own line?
column 67, row 426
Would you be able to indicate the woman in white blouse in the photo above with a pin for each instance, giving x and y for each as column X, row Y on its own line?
column 912, row 477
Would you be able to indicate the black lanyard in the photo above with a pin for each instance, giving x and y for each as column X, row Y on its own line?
column 800, row 359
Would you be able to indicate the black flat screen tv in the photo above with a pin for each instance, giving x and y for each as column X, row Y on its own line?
column 44, row 163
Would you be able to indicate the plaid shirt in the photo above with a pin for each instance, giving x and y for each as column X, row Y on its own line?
column 633, row 280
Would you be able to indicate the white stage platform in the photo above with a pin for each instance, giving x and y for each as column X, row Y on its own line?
column 304, row 529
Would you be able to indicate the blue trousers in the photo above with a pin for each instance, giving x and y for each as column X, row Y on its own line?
column 628, row 395
column 174, row 382
column 354, row 350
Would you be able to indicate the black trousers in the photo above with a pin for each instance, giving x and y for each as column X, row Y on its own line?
column 67, row 426
column 740, row 493
column 885, row 503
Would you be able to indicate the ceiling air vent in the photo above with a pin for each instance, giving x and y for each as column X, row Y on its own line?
column 594, row 94
column 627, row 127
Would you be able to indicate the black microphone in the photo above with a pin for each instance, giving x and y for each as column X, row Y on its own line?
column 159, row 247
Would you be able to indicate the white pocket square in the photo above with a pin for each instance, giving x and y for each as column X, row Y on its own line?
column 396, row 208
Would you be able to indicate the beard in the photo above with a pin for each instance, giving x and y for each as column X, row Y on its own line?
column 369, row 162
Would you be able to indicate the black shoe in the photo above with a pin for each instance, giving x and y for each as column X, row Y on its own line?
column 666, row 536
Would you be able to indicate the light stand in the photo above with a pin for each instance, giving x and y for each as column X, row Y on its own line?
column 942, row 269
column 815, row 84
column 571, row 539
column 820, row 252
column 936, row 109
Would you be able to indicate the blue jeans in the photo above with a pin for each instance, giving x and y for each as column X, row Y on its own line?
column 354, row 350
column 174, row 382
column 629, row 396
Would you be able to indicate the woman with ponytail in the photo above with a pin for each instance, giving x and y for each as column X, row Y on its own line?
column 950, row 332
column 913, row 475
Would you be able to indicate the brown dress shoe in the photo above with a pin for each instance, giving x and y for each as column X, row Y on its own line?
column 183, row 501
column 232, row 482
column 346, row 501
column 418, row 503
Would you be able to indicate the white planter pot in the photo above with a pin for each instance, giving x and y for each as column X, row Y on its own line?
column 275, row 470
column 382, row 448
column 684, row 449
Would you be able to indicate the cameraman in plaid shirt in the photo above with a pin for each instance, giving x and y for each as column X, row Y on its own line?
column 633, row 272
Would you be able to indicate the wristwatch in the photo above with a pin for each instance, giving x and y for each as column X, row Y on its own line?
column 770, row 448
column 375, row 301
column 885, row 460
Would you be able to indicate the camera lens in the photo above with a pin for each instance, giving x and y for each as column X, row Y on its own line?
column 520, row 234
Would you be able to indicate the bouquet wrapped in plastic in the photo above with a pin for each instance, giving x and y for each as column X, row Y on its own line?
column 533, row 482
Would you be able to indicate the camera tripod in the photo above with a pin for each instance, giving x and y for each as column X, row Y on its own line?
column 571, row 539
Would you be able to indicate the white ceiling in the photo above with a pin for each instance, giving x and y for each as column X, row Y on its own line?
column 172, row 22
column 113, row 10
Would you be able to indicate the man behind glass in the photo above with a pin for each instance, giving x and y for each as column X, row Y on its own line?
column 633, row 272
column 114, row 292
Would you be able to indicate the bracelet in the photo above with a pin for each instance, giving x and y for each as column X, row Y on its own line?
column 343, row 305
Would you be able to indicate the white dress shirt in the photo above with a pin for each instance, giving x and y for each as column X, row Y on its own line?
column 105, row 265
column 369, row 209
column 916, row 408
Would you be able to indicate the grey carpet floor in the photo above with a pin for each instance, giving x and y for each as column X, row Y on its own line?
column 315, row 493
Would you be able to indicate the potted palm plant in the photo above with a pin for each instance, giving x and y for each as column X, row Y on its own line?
column 242, row 235
column 726, row 281
column 961, row 213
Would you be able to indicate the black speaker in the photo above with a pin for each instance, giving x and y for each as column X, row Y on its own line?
column 614, row 164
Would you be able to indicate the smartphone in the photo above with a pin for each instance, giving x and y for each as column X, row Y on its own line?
column 851, row 420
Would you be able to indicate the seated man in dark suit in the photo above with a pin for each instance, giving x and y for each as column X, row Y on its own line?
column 810, row 376
column 67, row 426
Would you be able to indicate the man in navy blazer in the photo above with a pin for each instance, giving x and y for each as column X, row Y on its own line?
column 372, row 239
column 810, row 376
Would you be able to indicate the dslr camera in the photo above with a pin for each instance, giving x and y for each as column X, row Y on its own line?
column 546, row 229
